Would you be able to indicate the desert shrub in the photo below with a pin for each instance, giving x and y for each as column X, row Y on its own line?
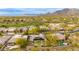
column 74, row 41
column 34, row 30
column 1, row 46
column 51, row 40
column 1, row 34
column 22, row 42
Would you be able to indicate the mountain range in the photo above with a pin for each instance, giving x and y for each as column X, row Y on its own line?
column 66, row 12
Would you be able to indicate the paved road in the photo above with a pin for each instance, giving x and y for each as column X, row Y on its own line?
column 70, row 31
column 5, row 43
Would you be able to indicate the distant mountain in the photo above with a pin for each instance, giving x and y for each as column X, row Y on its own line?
column 32, row 14
column 66, row 12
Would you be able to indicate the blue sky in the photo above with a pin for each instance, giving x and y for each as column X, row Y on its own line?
column 22, row 11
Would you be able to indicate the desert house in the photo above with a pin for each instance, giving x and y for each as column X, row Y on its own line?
column 54, row 26
column 61, row 38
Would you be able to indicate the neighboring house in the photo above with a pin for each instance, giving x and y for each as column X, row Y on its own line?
column 42, row 36
column 4, row 30
column 1, row 29
column 38, row 40
column 23, row 29
column 32, row 37
column 53, row 26
column 61, row 40
column 60, row 36
column 11, row 29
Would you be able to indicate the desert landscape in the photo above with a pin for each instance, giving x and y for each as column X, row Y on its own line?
column 57, row 31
